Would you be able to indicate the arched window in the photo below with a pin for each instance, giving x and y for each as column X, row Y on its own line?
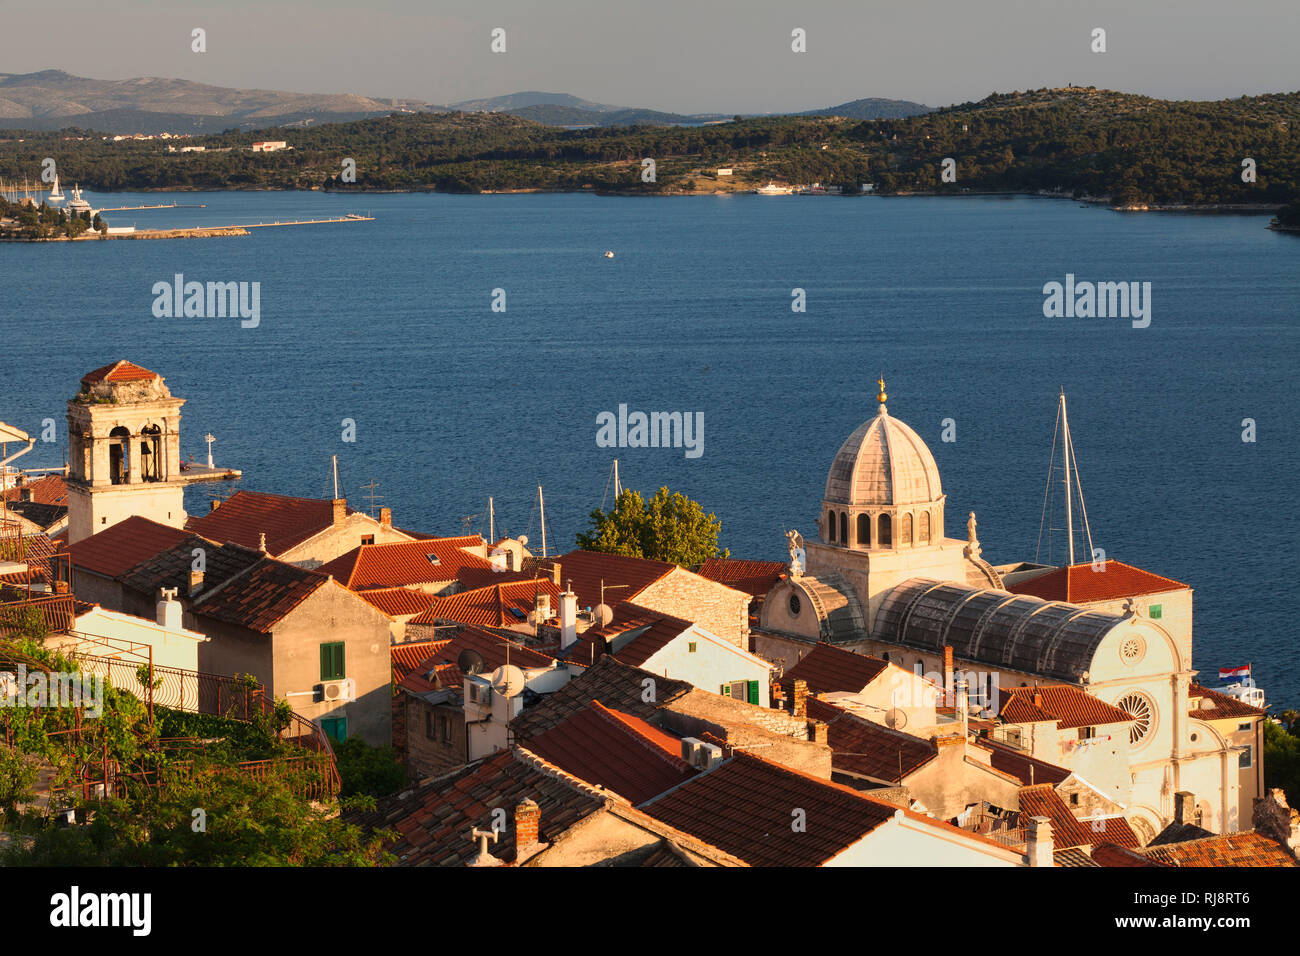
column 924, row 537
column 906, row 536
column 119, row 456
column 885, row 532
column 864, row 531
column 151, row 453
column 844, row 527
column 830, row 525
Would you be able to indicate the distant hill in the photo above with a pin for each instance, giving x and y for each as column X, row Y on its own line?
column 53, row 99
column 518, row 101
column 552, row 115
column 872, row 109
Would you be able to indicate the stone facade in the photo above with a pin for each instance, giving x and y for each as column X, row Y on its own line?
column 715, row 607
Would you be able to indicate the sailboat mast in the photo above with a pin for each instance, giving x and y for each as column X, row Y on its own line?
column 336, row 475
column 492, row 522
column 1065, row 454
column 541, row 504
column 618, row 487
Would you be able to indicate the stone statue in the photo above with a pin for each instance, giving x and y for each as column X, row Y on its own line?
column 797, row 554
column 972, row 549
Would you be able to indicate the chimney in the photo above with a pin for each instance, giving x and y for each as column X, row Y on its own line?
column 484, row 858
column 947, row 672
column 568, row 617
column 817, row 731
column 528, row 818
column 1038, row 699
column 1185, row 807
column 340, row 511
column 800, row 708
column 963, row 709
column 555, row 574
column 196, row 582
column 213, row 504
column 261, row 542
column 1038, row 842
column 169, row 609
column 385, row 517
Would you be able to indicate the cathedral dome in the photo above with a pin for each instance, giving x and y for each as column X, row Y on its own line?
column 883, row 490
column 883, row 463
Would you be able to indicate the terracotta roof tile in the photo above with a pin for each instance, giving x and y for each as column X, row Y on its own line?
column 827, row 669
column 1106, row 855
column 1065, row 704
column 1016, row 763
column 261, row 596
column 586, row 569
column 397, row 602
column 743, row 807
column 615, row 684
column 495, row 649
column 48, row 490
column 505, row 605
column 409, row 656
column 246, row 515
column 171, row 568
column 1041, row 800
column 615, row 751
column 119, row 371
column 636, row 634
column 434, row 819
column 1080, row 584
column 401, row 563
column 1231, row 849
column 753, row 577
column 118, row 548
column 1224, row 706
column 870, row 750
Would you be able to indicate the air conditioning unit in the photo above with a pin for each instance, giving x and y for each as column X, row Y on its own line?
column 708, row 756
column 480, row 693
column 691, row 746
column 337, row 691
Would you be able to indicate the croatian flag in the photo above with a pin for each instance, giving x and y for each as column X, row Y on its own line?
column 1226, row 672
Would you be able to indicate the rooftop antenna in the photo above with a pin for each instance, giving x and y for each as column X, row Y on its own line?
column 371, row 496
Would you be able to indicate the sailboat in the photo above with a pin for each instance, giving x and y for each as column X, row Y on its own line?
column 55, row 194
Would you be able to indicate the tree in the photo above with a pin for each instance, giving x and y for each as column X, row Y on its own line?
column 1282, row 760
column 373, row 771
column 670, row 528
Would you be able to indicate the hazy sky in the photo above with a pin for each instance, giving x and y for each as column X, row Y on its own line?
column 686, row 55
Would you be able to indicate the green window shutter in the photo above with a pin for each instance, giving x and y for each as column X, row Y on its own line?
column 1154, row 612
column 331, row 661
column 753, row 692
column 725, row 690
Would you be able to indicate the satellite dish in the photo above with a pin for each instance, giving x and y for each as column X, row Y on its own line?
column 895, row 719
column 604, row 615
column 508, row 680
column 470, row 662
column 523, row 539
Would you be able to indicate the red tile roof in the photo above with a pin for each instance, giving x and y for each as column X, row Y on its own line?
column 827, row 668
column 1232, row 849
column 397, row 602
column 492, row 606
column 496, row 650
column 743, row 807
column 609, row 680
column 1065, row 704
column 1107, row 855
column 861, row 747
column 753, row 577
column 119, row 371
column 1224, row 706
column 119, row 548
column 1041, row 800
column 402, row 563
column 616, row 751
column 1028, row 770
column 586, row 569
column 409, row 656
column 433, row 820
column 1080, row 584
column 1113, row 830
column 261, row 596
column 48, row 490
column 246, row 515
column 636, row 633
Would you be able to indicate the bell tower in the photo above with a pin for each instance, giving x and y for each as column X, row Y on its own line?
column 124, row 454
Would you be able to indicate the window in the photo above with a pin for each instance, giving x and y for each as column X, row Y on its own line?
column 1142, row 710
column 753, row 691
column 1153, row 612
column 1244, row 760
column 795, row 605
column 690, row 647
column 864, row 531
column 924, row 535
column 367, row 539
column 428, row 724
column 331, row 661
column 446, row 728
column 1087, row 733
column 844, row 527
column 885, row 537
column 1243, row 726
column 906, row 536
column 336, row 728
column 830, row 525
column 738, row 689
column 1074, row 799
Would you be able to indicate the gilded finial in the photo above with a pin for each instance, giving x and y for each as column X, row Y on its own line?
column 882, row 396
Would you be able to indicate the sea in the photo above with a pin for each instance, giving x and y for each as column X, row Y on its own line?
column 468, row 346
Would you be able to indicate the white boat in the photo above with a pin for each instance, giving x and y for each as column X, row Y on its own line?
column 1245, row 691
column 771, row 189
column 55, row 194
column 609, row 254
